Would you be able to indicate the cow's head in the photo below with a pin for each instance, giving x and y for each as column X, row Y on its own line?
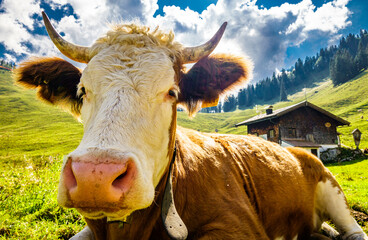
column 127, row 98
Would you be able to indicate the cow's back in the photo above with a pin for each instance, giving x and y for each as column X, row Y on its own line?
column 246, row 182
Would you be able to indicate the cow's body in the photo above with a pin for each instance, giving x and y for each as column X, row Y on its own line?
column 225, row 186
column 238, row 187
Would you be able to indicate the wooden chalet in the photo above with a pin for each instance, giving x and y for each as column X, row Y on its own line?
column 301, row 125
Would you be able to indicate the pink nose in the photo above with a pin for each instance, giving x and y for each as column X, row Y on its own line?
column 92, row 184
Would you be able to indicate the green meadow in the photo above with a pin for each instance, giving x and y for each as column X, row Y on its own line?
column 35, row 136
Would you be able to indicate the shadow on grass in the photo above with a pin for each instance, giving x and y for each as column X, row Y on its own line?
column 346, row 163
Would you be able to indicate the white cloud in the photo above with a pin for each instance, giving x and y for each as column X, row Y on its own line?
column 9, row 58
column 330, row 17
column 22, row 12
column 15, row 23
column 262, row 34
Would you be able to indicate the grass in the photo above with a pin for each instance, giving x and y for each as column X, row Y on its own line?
column 28, row 207
column 30, row 127
column 353, row 178
column 34, row 137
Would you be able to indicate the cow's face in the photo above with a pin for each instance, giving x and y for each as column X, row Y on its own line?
column 126, row 98
column 128, row 106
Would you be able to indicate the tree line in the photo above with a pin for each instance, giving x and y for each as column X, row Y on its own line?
column 341, row 63
column 7, row 65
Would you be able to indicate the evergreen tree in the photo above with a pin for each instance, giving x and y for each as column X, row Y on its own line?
column 267, row 90
column 299, row 71
column 283, row 95
column 229, row 104
column 343, row 62
column 242, row 98
column 250, row 96
column 361, row 59
column 258, row 92
column 342, row 68
column 219, row 107
column 352, row 44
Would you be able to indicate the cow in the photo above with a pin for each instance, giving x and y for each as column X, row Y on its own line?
column 137, row 175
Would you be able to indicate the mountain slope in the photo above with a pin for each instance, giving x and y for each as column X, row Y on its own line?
column 30, row 127
column 25, row 121
column 349, row 101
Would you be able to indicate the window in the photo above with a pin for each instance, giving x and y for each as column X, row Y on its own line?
column 314, row 152
column 292, row 132
column 271, row 133
column 310, row 137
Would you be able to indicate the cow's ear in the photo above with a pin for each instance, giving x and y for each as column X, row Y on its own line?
column 210, row 78
column 55, row 79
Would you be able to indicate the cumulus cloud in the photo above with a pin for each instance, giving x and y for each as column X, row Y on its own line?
column 15, row 23
column 89, row 21
column 262, row 34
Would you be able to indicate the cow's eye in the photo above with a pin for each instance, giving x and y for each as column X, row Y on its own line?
column 83, row 91
column 172, row 93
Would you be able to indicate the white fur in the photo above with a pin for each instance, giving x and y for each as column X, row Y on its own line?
column 330, row 202
column 127, row 109
column 85, row 234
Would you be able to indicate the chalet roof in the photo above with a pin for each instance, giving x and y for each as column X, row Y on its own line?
column 282, row 111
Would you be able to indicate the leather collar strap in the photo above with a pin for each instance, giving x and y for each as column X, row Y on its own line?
column 174, row 225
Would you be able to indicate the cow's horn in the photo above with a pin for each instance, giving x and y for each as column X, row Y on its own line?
column 72, row 51
column 194, row 54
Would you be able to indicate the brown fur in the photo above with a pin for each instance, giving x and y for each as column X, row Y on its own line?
column 55, row 79
column 211, row 77
column 232, row 187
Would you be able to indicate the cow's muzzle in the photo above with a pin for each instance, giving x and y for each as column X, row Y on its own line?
column 97, row 183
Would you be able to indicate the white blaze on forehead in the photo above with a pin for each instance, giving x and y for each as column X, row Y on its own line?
column 148, row 73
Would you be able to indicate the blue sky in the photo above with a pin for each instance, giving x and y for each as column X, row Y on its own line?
column 272, row 33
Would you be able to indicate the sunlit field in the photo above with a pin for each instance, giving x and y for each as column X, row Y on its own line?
column 34, row 137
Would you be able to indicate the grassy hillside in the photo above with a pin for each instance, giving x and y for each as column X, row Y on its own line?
column 30, row 127
column 21, row 112
column 349, row 101
column 34, row 137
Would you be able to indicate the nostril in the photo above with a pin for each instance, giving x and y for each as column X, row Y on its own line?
column 121, row 176
column 69, row 177
column 124, row 180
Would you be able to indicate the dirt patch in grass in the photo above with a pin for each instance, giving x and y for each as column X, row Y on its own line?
column 360, row 217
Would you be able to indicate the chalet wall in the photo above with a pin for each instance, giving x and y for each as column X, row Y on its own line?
column 309, row 124
column 264, row 127
column 303, row 123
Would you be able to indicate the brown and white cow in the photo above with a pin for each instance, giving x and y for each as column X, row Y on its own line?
column 224, row 186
